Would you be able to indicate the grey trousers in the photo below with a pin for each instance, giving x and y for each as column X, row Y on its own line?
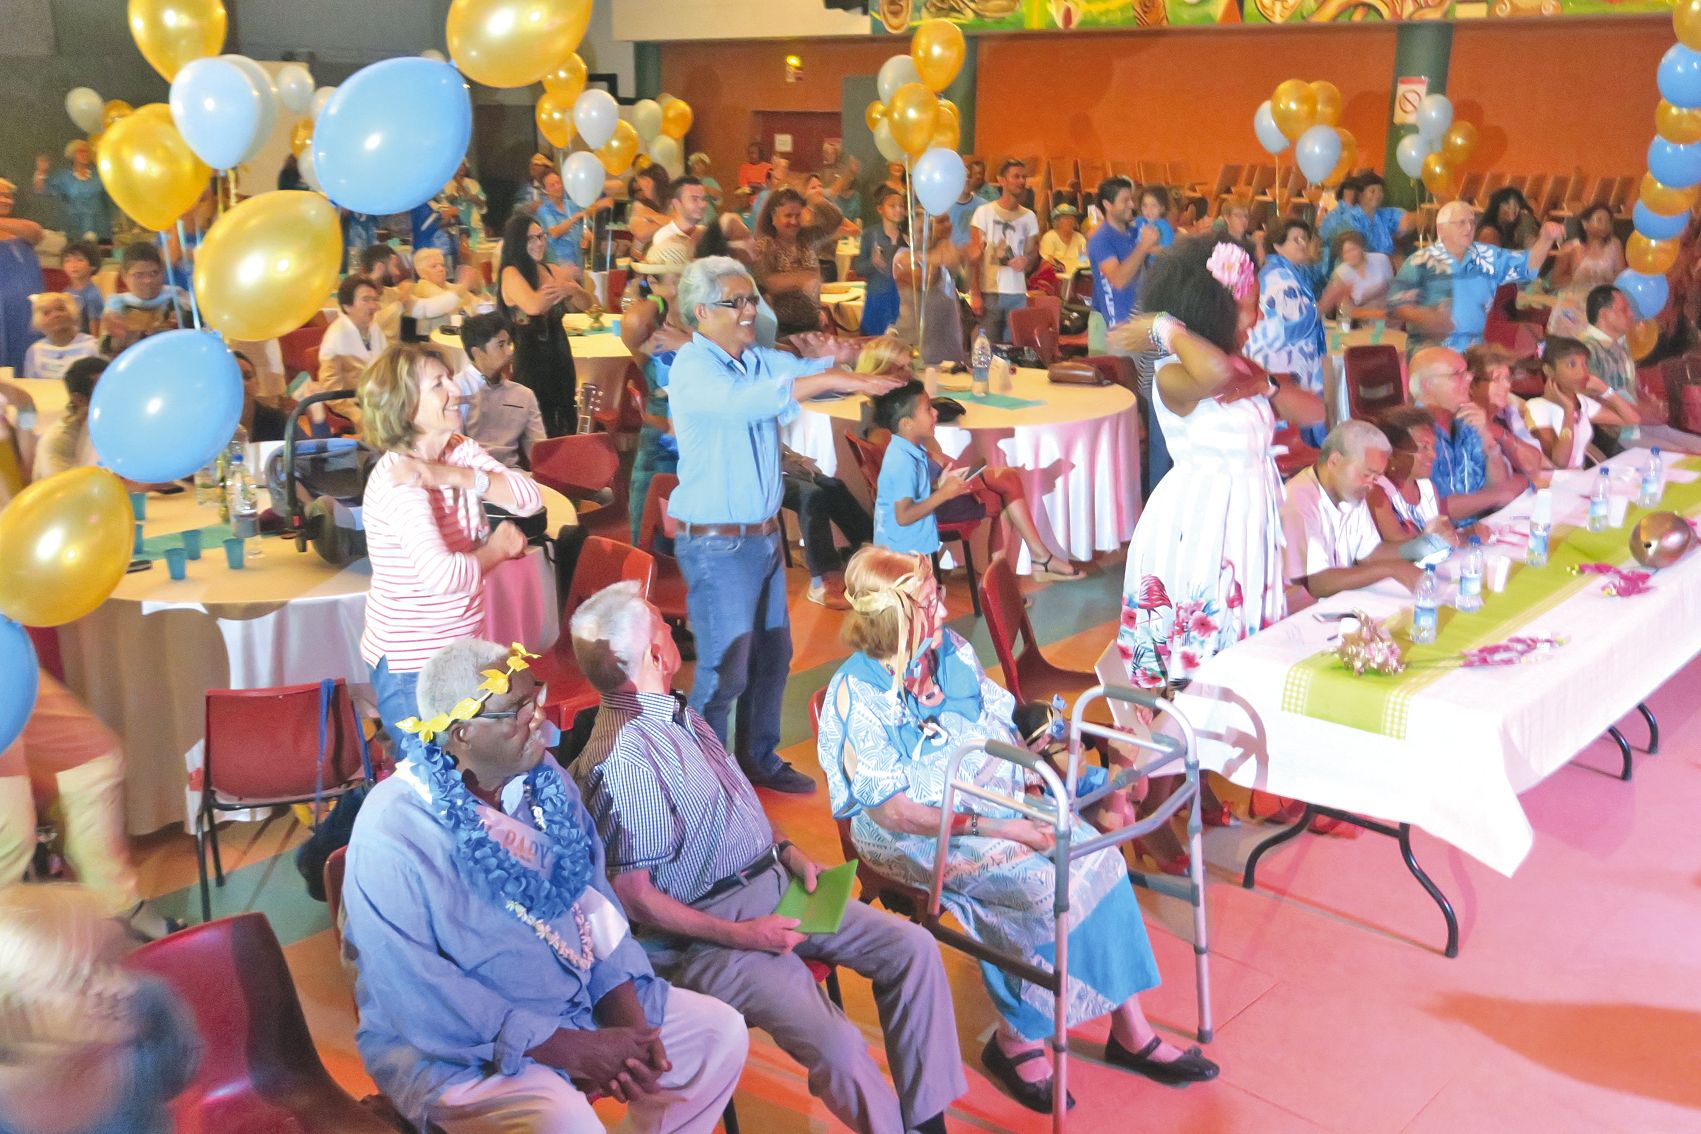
column 777, row 994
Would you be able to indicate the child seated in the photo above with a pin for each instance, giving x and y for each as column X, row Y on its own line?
column 1572, row 400
column 80, row 261
column 149, row 306
column 62, row 342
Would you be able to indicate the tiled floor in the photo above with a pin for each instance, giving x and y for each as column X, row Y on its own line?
column 1575, row 1004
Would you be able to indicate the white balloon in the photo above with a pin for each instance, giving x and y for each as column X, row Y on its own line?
column 85, row 108
column 646, row 118
column 433, row 54
column 304, row 163
column 595, row 116
column 1317, row 152
column 1411, row 151
column 894, row 73
column 268, row 98
column 219, row 110
column 1270, row 135
column 583, row 175
column 320, row 98
column 938, row 179
column 1434, row 115
column 886, row 144
column 295, row 88
column 665, row 152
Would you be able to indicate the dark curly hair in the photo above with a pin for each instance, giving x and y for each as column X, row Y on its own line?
column 1178, row 282
column 776, row 199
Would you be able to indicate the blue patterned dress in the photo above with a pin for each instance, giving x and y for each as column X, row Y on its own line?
column 1288, row 338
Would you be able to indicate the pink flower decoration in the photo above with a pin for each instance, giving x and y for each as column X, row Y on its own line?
column 1201, row 625
column 1189, row 660
column 1232, row 267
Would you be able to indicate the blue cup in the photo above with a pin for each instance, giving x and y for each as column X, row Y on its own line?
column 235, row 553
column 177, row 562
column 139, row 505
column 192, row 543
column 136, row 544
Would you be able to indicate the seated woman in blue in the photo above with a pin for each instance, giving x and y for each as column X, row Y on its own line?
column 894, row 712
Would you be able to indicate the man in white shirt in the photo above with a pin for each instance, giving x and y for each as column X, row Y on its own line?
column 1006, row 234
column 351, row 342
column 1331, row 537
column 502, row 416
column 687, row 207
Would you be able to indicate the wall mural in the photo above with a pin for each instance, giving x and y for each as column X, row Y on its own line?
column 898, row 16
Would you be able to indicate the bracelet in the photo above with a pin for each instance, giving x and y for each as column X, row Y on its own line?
column 481, row 482
column 1163, row 331
column 965, row 824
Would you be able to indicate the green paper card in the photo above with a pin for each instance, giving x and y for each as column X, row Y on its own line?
column 824, row 910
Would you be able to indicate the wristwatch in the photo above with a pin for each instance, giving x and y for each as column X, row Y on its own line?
column 481, row 482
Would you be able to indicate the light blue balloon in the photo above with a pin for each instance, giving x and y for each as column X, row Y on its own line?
column 18, row 679
column 392, row 135
column 1434, row 115
column 1657, row 227
column 1679, row 77
column 1317, row 152
column 166, row 406
column 1409, row 154
column 938, row 179
column 1648, row 294
column 218, row 110
column 1270, row 135
column 1674, row 165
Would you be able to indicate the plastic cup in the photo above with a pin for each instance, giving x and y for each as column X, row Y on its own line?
column 192, row 543
column 139, row 505
column 235, row 552
column 1617, row 507
column 136, row 544
column 1496, row 570
column 177, row 563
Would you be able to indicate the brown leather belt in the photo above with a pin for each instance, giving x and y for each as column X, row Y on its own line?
column 737, row 531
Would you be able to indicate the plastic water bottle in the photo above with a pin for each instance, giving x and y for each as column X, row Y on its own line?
column 980, row 362
column 244, row 507
column 1425, row 620
column 1653, row 481
column 1600, row 501
column 1470, row 577
column 207, row 482
column 1536, row 554
column 1059, row 717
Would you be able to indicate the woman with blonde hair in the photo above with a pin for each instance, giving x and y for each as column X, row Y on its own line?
column 427, row 537
column 897, row 708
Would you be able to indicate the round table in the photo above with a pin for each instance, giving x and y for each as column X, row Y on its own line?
column 844, row 253
column 843, row 302
column 1078, row 453
column 144, row 660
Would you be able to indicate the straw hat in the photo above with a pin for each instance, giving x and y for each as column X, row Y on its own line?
column 670, row 258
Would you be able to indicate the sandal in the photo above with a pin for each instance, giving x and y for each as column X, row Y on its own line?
column 1181, row 866
column 1046, row 569
column 1034, row 1096
column 1190, row 1067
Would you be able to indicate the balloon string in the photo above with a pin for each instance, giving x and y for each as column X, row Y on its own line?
column 909, row 205
column 183, row 247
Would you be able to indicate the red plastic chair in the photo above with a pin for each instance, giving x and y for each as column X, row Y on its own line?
column 867, row 457
column 602, row 562
column 259, row 1071
column 584, row 465
column 1116, row 370
column 263, row 750
column 1034, row 327
column 668, row 590
column 295, row 348
column 1299, row 456
column 1028, row 675
column 55, row 279
column 1376, row 379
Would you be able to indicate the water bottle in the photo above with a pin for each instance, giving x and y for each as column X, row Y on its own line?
column 1600, row 501
column 1652, row 482
column 240, row 500
column 207, row 482
column 980, row 362
column 1470, row 577
column 1536, row 554
column 1059, row 718
column 1425, row 620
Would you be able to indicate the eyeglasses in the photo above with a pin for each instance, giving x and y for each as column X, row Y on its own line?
column 535, row 236
column 530, row 705
column 737, row 302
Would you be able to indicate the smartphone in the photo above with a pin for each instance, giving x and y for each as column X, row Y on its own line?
column 975, row 471
column 139, row 565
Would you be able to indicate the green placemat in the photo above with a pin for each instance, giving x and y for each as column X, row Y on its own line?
column 1000, row 401
column 212, row 539
column 824, row 910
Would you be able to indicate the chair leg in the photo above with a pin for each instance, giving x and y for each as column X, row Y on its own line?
column 785, row 539
column 833, row 992
column 201, row 867
column 974, row 582
column 212, row 829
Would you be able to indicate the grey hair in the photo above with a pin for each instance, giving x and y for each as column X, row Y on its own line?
column 701, row 284
column 611, row 630
column 454, row 673
column 1352, row 439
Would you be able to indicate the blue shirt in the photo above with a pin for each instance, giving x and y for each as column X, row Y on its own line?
column 564, row 248
column 727, row 414
column 1431, row 277
column 1461, row 465
column 905, row 474
column 92, row 303
column 850, row 205
column 428, row 231
column 360, row 232
column 86, row 206
column 1380, row 229
column 1108, row 243
column 962, row 216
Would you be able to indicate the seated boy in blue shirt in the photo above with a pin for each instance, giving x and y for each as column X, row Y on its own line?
column 920, row 486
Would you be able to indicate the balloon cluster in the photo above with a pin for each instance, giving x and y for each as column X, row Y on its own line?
column 1307, row 115
column 911, row 119
column 1440, row 147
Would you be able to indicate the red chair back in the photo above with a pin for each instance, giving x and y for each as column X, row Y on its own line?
column 300, row 350
column 1116, row 370
column 1376, row 379
column 602, row 563
column 1299, row 455
column 55, row 279
column 264, row 743
column 1035, row 327
column 1051, row 305
column 1006, row 619
column 867, row 456
column 582, row 464
column 655, row 518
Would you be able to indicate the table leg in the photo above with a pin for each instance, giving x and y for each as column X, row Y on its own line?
column 1249, row 876
column 1429, row 885
column 1623, row 750
column 1653, row 728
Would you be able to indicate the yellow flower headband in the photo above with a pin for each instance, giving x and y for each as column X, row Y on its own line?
column 496, row 682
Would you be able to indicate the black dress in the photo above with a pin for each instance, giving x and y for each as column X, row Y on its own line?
column 543, row 363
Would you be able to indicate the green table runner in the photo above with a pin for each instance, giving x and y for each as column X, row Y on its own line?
column 999, row 401
column 212, row 540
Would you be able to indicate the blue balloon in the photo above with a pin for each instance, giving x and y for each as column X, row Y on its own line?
column 219, row 111
column 1648, row 294
column 1679, row 77
column 392, row 135
column 1657, row 227
column 1676, row 166
column 18, row 679
column 166, row 406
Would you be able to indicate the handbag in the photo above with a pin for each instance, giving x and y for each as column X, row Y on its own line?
column 1074, row 372
column 334, row 829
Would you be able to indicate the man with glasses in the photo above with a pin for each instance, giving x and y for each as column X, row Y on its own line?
column 1466, row 481
column 728, row 398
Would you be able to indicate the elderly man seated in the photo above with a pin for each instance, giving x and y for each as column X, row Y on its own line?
column 699, row 864
column 1466, row 481
column 498, row 981
column 1331, row 539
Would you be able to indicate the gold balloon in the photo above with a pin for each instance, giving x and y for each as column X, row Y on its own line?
column 1349, row 157
column 1328, row 98
column 947, row 126
column 567, row 80
column 1677, row 124
column 1459, row 142
column 874, row 115
column 1642, row 339
column 266, row 266
column 641, row 163
column 911, row 115
column 114, row 109
column 677, row 118
column 1294, row 107
column 514, row 43
column 617, row 153
column 1650, row 257
column 301, row 136
column 67, row 544
column 1439, row 176
column 555, row 118
column 148, row 170
column 1686, row 21
column 174, row 33
column 1665, row 200
column 1659, row 539
column 938, row 49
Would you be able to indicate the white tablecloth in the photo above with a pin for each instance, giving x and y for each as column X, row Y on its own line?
column 1477, row 737
column 144, row 660
column 1078, row 455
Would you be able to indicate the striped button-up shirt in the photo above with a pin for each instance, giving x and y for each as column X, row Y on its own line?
column 667, row 797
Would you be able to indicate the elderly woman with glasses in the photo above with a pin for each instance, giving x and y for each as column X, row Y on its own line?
column 534, row 291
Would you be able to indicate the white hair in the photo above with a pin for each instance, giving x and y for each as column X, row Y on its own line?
column 1455, row 211
column 428, row 254
column 611, row 630
column 701, row 284
column 1352, row 439
column 454, row 673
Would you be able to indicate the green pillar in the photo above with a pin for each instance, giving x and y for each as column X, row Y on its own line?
column 1420, row 50
column 646, row 69
column 962, row 93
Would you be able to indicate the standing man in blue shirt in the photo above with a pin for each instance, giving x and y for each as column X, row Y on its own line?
column 1118, row 254
column 728, row 398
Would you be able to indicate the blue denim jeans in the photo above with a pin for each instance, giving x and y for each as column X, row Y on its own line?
column 735, row 594
column 394, row 693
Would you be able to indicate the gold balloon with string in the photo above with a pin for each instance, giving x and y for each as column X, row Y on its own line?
column 567, row 80
column 938, row 49
column 1665, row 200
column 1643, row 338
column 1686, row 21
column 514, row 43
column 114, row 109
column 910, row 115
column 64, row 545
column 1459, row 143
column 677, row 117
column 947, row 126
column 1677, row 124
column 617, row 153
column 874, row 115
column 1294, row 107
column 1328, row 100
column 1349, row 158
column 266, row 265
column 555, row 118
column 1650, row 257
column 174, row 33
column 1439, row 175
column 301, row 136
column 148, row 170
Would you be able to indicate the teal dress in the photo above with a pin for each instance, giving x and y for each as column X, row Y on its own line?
column 658, row 451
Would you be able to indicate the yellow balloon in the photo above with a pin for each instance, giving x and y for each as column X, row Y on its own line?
column 266, row 266
column 1650, row 257
column 67, row 544
column 1677, row 124
column 1686, row 21
column 1643, row 338
column 937, row 50
column 874, row 115
column 1459, row 142
column 1349, row 157
column 1439, row 176
column 911, row 115
column 677, row 117
column 947, row 126
column 301, row 136
column 1665, row 200
column 148, row 170
column 617, row 153
column 114, row 109
column 1294, row 106
column 514, row 43
column 1328, row 99
column 555, row 118
column 173, row 33
column 567, row 80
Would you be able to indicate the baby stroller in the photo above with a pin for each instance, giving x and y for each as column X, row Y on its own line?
column 316, row 486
